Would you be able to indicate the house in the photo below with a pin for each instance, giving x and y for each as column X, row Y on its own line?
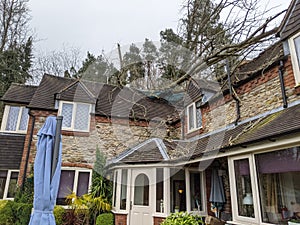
column 229, row 151
column 239, row 155
column 95, row 116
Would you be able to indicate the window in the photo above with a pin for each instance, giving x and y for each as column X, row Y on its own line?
column 294, row 43
column 115, row 189
column 76, row 116
column 195, row 193
column 160, row 190
column 123, row 198
column 141, row 190
column 194, row 117
column 15, row 119
column 77, row 181
column 267, row 186
column 8, row 183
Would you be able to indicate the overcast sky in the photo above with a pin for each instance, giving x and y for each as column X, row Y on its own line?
column 93, row 25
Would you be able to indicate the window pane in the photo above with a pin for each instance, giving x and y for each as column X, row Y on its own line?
column 3, row 175
column 141, row 190
column 297, row 47
column 160, row 190
column 67, row 110
column 12, row 118
column 83, row 183
column 65, row 186
column 12, row 184
column 123, row 190
column 82, row 117
column 244, row 188
column 115, row 188
column 279, row 185
column 195, row 184
column 199, row 118
column 24, row 119
column 191, row 117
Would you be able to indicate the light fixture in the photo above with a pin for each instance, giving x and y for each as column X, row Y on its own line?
column 180, row 191
column 248, row 200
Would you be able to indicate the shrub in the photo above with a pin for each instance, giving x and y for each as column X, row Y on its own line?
column 59, row 214
column 14, row 213
column 182, row 218
column 105, row 219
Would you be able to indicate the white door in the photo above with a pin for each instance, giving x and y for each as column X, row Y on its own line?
column 142, row 197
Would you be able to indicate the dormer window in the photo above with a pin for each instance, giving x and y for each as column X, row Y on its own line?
column 294, row 43
column 76, row 116
column 15, row 119
column 194, row 117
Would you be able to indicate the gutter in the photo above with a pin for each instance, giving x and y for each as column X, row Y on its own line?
column 283, row 92
column 28, row 151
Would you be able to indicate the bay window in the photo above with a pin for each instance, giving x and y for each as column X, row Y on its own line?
column 266, row 186
column 15, row 119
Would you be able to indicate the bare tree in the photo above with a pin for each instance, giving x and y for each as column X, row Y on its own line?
column 64, row 62
column 14, row 18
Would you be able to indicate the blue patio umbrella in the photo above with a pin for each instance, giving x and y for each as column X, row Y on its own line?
column 217, row 196
column 45, row 186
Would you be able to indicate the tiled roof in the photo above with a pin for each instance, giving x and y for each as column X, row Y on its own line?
column 19, row 93
column 291, row 22
column 110, row 100
column 150, row 151
column 45, row 93
column 11, row 146
column 267, row 127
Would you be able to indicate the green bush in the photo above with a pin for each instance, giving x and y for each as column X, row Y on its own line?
column 14, row 213
column 105, row 219
column 182, row 218
column 59, row 215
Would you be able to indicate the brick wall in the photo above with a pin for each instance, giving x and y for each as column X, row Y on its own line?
column 120, row 219
column 158, row 220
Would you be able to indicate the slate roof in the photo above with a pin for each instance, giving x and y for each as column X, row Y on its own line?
column 19, row 93
column 291, row 22
column 11, row 150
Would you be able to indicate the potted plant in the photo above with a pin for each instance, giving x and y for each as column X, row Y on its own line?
column 294, row 222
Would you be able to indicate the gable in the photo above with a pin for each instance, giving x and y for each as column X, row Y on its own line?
column 291, row 23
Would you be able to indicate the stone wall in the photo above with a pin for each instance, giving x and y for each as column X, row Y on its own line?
column 110, row 136
column 259, row 95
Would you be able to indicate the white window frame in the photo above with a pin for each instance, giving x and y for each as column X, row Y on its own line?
column 73, row 115
column 195, row 118
column 5, row 118
column 202, row 191
column 294, row 57
column 255, row 191
column 7, row 184
column 76, row 175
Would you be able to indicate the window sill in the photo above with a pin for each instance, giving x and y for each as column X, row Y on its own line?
column 194, row 130
column 13, row 132
column 75, row 133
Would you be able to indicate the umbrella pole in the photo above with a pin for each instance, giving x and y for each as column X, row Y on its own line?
column 56, row 145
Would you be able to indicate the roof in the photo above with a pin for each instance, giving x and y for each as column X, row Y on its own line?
column 291, row 22
column 19, row 93
column 110, row 100
column 150, row 151
column 49, row 86
column 11, row 146
column 267, row 127
column 270, row 126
